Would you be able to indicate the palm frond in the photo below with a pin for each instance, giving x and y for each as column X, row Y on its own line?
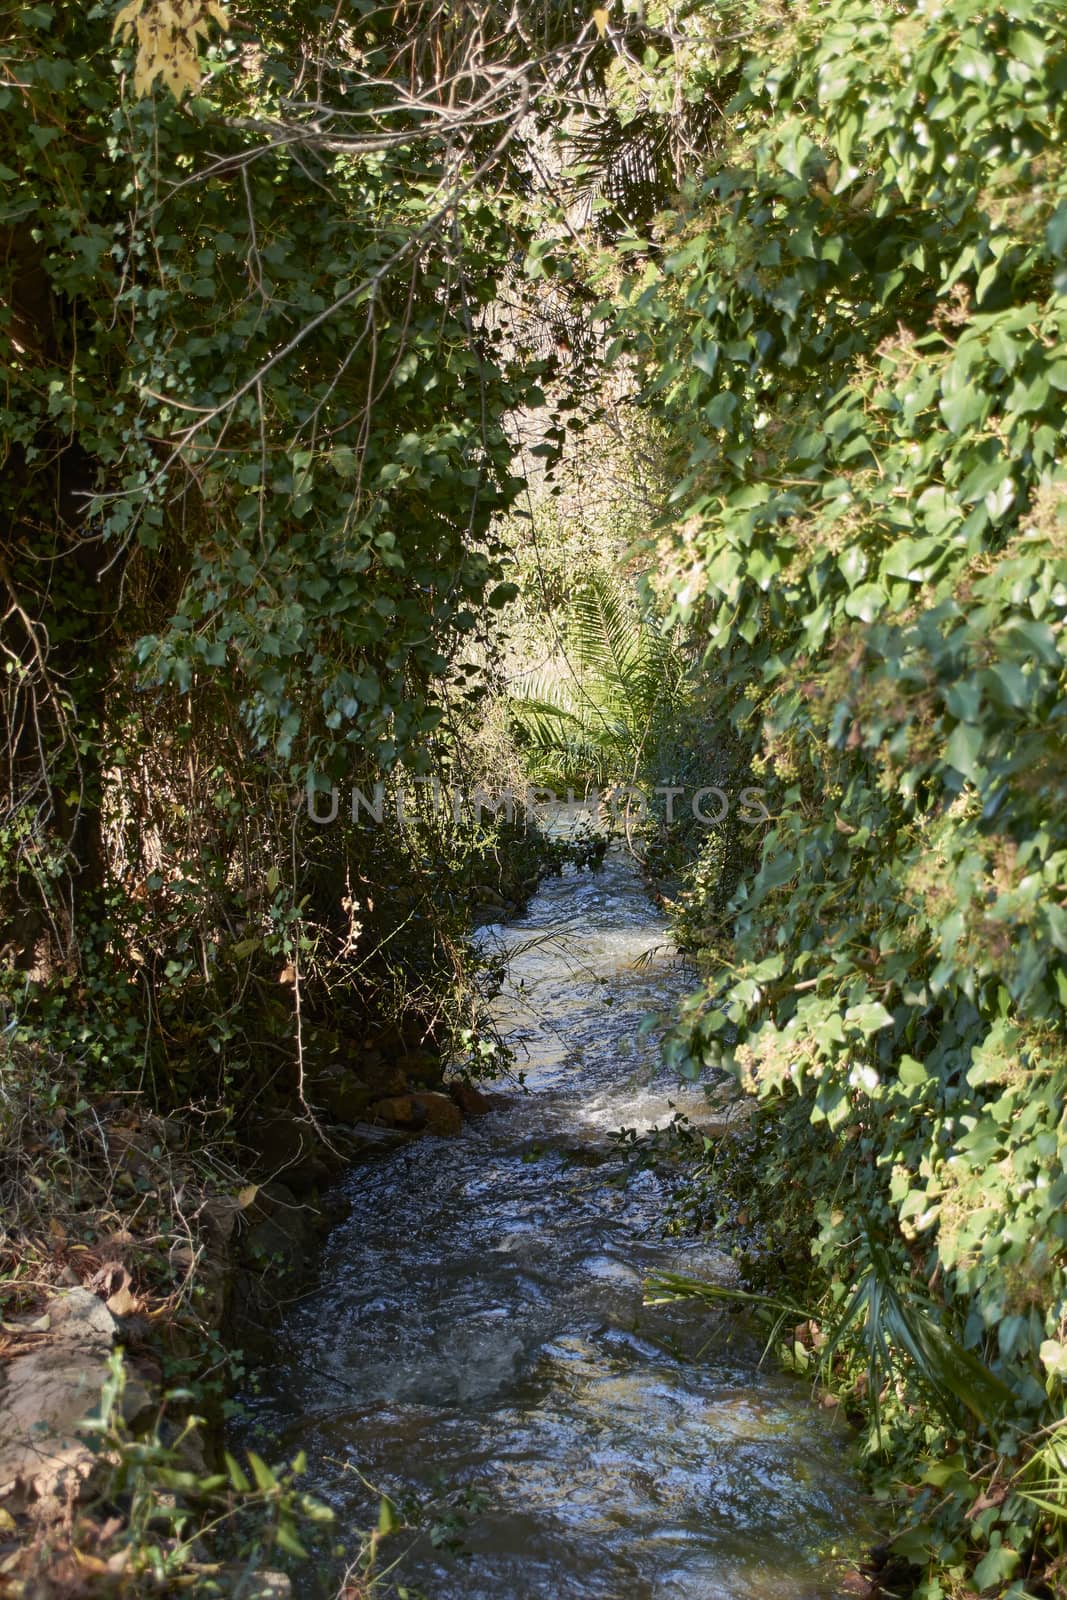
column 891, row 1315
column 903, row 1317
column 1043, row 1478
column 665, row 1287
column 618, row 670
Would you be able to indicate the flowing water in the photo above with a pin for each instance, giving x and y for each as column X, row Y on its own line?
column 479, row 1324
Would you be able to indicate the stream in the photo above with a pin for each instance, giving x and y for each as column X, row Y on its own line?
column 478, row 1325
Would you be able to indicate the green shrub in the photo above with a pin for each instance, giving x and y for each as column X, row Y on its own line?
column 855, row 331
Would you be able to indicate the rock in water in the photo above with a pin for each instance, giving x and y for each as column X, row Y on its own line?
column 443, row 1116
column 471, row 1101
column 399, row 1111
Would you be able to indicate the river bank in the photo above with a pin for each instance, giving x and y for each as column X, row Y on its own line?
column 143, row 1256
column 175, row 1233
column 442, row 1304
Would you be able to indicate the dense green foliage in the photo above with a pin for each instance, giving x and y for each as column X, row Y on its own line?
column 254, row 464
column 855, row 332
column 269, row 289
column 254, row 449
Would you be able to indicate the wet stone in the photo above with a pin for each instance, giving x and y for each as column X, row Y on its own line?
column 443, row 1117
column 470, row 1100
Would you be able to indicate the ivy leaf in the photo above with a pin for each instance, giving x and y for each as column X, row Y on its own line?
column 868, row 1017
column 1000, row 1564
column 1056, row 230
column 964, row 408
column 964, row 748
column 1053, row 1356
column 866, row 602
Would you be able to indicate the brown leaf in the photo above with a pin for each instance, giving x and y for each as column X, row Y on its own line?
column 122, row 1303
column 111, row 1277
column 994, row 1496
column 92, row 1564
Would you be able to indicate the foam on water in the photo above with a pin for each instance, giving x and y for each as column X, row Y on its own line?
column 479, row 1322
